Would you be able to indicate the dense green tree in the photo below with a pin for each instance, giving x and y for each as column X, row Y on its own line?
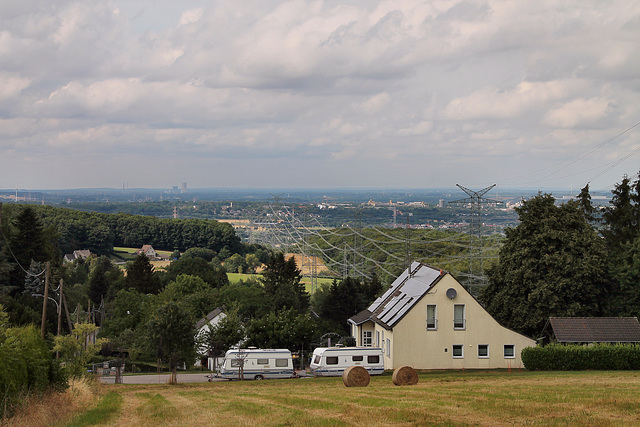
column 236, row 263
column 344, row 298
column 248, row 295
column 196, row 294
column 282, row 284
column 286, row 328
column 626, row 271
column 204, row 253
column 171, row 329
column 551, row 264
column 140, row 276
column 214, row 275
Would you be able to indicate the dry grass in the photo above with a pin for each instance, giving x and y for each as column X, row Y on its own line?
column 56, row 407
column 493, row 398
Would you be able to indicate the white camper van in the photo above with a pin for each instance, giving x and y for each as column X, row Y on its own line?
column 332, row 361
column 257, row 364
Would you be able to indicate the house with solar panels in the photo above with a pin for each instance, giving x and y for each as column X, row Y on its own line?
column 428, row 320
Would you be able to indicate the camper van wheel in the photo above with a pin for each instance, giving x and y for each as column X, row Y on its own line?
column 259, row 377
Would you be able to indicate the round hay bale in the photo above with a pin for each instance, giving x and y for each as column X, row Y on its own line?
column 355, row 376
column 405, row 375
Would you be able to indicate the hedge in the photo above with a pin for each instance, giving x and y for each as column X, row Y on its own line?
column 557, row 357
column 26, row 366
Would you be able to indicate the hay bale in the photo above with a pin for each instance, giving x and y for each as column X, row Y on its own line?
column 405, row 375
column 355, row 376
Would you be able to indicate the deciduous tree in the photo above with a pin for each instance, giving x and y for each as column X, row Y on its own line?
column 551, row 264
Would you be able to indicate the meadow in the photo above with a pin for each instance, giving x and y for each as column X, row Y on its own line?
column 485, row 398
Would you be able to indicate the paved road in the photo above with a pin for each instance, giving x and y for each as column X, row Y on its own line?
column 159, row 379
column 164, row 378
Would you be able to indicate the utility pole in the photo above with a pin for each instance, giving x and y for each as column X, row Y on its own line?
column 59, row 315
column 44, row 303
column 475, row 200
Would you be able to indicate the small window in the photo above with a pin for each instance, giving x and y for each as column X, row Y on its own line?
column 483, row 350
column 332, row 360
column 457, row 351
column 282, row 363
column 316, row 359
column 262, row 361
column 357, row 358
column 235, row 363
column 388, row 348
column 378, row 339
column 367, row 338
column 458, row 317
column 509, row 351
column 432, row 321
column 373, row 359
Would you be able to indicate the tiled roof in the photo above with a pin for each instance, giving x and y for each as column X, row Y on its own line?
column 212, row 315
column 595, row 329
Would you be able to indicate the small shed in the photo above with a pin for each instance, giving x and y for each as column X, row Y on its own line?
column 587, row 330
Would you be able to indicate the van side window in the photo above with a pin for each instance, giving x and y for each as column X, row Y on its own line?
column 357, row 358
column 316, row 359
column 282, row 363
column 332, row 360
column 235, row 363
column 262, row 362
column 373, row 359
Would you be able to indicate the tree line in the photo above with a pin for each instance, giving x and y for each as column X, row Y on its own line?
column 568, row 260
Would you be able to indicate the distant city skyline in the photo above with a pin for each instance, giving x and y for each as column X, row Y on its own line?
column 319, row 94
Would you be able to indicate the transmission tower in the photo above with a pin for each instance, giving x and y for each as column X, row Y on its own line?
column 475, row 202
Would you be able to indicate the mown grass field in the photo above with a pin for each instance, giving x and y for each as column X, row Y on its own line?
column 488, row 398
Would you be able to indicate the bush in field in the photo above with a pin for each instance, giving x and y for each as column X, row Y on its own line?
column 26, row 364
column 75, row 351
column 556, row 357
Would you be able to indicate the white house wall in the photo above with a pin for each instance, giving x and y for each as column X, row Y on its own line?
column 414, row 345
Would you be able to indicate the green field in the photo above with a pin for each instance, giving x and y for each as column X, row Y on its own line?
column 236, row 277
column 486, row 398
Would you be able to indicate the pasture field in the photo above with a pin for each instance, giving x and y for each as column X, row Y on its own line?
column 485, row 398
column 306, row 281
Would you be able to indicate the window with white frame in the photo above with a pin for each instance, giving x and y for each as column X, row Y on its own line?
column 509, row 351
column 459, row 317
column 483, row 351
column 388, row 348
column 367, row 337
column 457, row 351
column 378, row 343
column 432, row 317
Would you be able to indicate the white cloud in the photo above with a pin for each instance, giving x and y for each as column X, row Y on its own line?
column 314, row 82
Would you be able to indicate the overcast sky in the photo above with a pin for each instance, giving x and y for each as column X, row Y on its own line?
column 311, row 94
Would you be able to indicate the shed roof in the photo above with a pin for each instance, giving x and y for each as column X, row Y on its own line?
column 595, row 329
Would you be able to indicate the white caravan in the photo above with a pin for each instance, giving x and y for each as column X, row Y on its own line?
column 257, row 364
column 332, row 361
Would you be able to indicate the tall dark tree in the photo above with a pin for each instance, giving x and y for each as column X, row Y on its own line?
column 343, row 299
column 552, row 264
column 99, row 280
column 282, row 283
column 286, row 328
column 621, row 217
column 588, row 210
column 140, row 276
column 27, row 244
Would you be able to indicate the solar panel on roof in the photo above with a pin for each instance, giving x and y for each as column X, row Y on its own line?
column 391, row 311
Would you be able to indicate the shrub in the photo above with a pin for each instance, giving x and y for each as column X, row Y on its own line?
column 557, row 357
column 26, row 366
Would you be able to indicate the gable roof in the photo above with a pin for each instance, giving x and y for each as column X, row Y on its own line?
column 212, row 315
column 595, row 329
column 402, row 295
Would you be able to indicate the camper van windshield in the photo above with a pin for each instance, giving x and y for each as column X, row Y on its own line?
column 316, row 359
